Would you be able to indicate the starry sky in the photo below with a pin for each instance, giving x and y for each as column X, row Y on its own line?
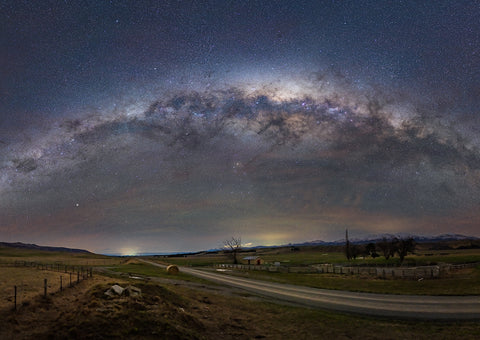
column 165, row 126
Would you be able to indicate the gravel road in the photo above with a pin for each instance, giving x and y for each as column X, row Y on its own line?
column 402, row 306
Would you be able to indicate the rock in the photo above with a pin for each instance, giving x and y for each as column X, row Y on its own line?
column 114, row 290
column 117, row 289
column 133, row 291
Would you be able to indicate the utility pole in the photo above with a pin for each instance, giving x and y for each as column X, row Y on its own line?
column 347, row 246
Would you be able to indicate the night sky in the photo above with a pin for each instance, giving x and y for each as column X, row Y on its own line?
column 163, row 126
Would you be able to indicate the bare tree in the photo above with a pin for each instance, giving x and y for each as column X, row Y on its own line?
column 233, row 246
column 388, row 247
column 398, row 246
column 393, row 246
column 384, row 248
column 355, row 250
column 370, row 250
column 404, row 247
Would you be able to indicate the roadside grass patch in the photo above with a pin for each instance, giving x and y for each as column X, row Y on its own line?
column 193, row 260
column 147, row 270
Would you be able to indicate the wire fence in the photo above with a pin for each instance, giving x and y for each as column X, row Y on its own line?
column 420, row 272
column 69, row 276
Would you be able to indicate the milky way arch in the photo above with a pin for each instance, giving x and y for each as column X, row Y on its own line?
column 369, row 156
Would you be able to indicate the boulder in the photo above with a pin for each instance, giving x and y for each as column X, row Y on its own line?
column 114, row 290
column 117, row 289
column 133, row 291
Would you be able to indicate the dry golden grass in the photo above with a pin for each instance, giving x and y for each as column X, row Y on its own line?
column 133, row 261
column 65, row 260
column 10, row 255
column 29, row 282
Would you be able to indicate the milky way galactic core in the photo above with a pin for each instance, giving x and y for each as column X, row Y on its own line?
column 197, row 136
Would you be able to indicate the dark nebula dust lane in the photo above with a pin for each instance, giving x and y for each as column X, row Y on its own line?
column 133, row 132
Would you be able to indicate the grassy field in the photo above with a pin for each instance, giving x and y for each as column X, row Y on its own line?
column 182, row 311
column 463, row 282
column 10, row 255
column 314, row 255
column 140, row 269
column 179, row 312
column 29, row 282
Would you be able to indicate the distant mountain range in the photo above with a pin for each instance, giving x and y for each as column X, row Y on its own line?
column 21, row 245
column 364, row 240
column 373, row 239
column 377, row 238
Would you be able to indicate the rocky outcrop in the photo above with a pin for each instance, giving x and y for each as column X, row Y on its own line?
column 117, row 290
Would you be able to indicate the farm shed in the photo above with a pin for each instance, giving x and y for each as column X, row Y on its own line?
column 253, row 260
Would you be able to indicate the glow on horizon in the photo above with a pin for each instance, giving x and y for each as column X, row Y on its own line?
column 129, row 251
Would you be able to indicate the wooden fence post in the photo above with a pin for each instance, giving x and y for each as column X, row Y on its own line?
column 61, row 287
column 45, row 288
column 78, row 277
column 70, row 279
column 15, row 299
